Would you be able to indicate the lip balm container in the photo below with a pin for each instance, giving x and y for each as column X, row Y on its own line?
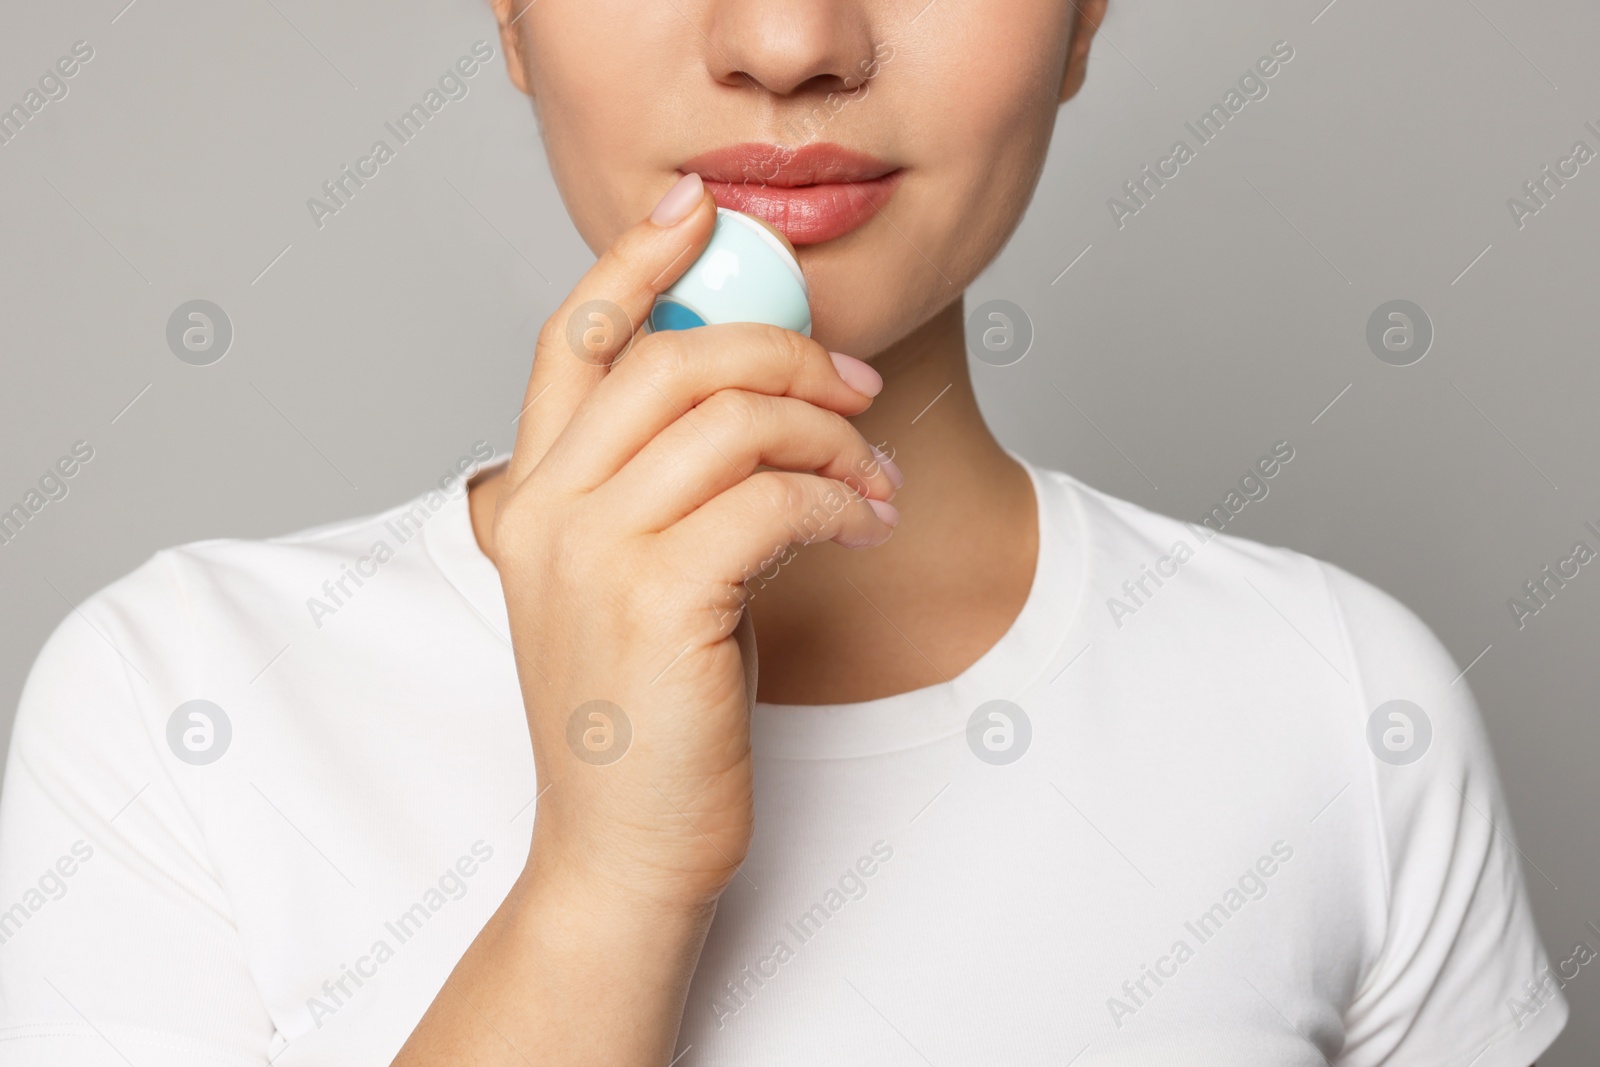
column 748, row 273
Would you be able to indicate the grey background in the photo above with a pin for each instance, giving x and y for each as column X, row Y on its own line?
column 1225, row 316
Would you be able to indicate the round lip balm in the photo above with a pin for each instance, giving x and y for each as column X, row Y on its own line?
column 748, row 273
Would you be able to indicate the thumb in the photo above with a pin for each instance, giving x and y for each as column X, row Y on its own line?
column 598, row 320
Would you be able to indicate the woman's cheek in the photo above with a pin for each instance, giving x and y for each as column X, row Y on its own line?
column 602, row 114
column 604, row 186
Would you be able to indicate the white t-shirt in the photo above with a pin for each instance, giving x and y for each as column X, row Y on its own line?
column 1198, row 858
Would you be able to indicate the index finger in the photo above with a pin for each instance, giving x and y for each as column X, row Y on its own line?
column 605, row 309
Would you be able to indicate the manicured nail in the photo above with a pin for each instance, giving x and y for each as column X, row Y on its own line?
column 886, row 511
column 679, row 201
column 896, row 479
column 857, row 375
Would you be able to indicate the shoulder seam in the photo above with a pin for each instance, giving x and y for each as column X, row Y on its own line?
column 165, row 559
column 165, row 556
column 1363, row 698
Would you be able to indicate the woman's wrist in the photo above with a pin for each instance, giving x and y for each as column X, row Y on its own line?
column 571, row 969
column 621, row 955
column 601, row 892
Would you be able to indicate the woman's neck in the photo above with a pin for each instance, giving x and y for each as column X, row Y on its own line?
column 839, row 625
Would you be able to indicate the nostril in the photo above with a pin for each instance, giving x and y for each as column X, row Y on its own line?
column 787, row 48
column 819, row 86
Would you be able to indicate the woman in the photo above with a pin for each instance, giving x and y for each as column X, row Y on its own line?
column 1042, row 778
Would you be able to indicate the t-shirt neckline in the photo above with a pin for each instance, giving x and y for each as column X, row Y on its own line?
column 1004, row 672
column 887, row 724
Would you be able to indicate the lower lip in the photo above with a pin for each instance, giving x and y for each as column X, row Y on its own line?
column 809, row 214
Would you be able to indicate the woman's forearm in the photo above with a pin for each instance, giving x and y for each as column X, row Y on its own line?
column 566, row 973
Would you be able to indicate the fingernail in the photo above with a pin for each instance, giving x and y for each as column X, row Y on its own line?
column 886, row 511
column 679, row 201
column 857, row 375
column 895, row 477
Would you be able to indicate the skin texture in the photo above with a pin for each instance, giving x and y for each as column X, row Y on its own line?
column 649, row 479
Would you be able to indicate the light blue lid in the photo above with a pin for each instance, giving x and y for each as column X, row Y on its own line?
column 745, row 274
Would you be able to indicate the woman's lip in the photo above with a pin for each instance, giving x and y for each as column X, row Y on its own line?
column 811, row 194
column 809, row 214
column 820, row 163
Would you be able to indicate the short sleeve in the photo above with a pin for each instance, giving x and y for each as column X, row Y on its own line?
column 1461, row 976
column 116, row 942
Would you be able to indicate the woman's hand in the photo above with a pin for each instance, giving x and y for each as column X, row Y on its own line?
column 631, row 514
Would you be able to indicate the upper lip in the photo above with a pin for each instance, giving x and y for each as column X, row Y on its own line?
column 783, row 167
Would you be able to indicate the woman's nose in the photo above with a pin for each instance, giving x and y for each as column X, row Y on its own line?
column 785, row 46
